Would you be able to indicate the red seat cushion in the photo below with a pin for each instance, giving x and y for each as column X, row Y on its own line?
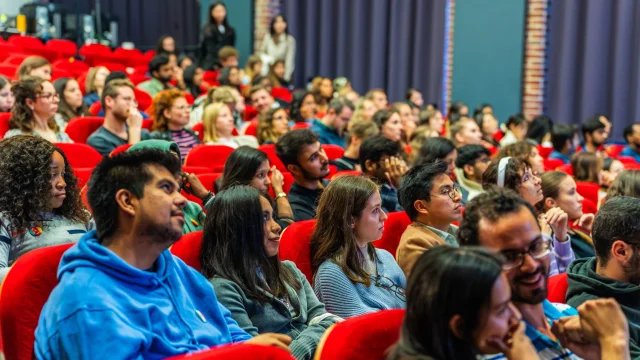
column 557, row 288
column 364, row 337
column 25, row 290
column 188, row 249
column 210, row 156
column 394, row 226
column 294, row 246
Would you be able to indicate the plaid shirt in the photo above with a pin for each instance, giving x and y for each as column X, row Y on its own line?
column 389, row 196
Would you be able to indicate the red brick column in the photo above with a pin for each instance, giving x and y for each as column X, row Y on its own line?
column 264, row 10
column 533, row 75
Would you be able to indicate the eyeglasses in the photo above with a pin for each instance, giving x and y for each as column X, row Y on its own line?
column 384, row 282
column 49, row 96
column 531, row 176
column 452, row 191
column 181, row 107
column 538, row 249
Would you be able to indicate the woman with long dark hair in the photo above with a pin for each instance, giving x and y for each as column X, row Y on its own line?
column 437, row 148
column 351, row 276
column 458, row 307
column 248, row 166
column 262, row 293
column 39, row 199
column 71, row 104
column 278, row 44
column 216, row 34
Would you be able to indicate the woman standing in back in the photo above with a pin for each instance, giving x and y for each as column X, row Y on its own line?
column 216, row 34
column 280, row 45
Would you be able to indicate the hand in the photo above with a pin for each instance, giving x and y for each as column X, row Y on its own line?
column 604, row 319
column 585, row 222
column 134, row 121
column 191, row 185
column 394, row 168
column 574, row 336
column 518, row 346
column 558, row 220
column 277, row 180
column 271, row 339
column 544, row 225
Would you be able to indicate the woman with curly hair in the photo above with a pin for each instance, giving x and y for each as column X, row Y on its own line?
column 525, row 152
column 40, row 204
column 170, row 114
column 34, row 111
column 272, row 125
column 71, row 104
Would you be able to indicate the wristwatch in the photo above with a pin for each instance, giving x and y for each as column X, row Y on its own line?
column 280, row 195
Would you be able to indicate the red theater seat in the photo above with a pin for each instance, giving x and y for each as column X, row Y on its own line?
column 4, row 123
column 346, row 172
column 80, row 155
column 544, row 151
column 333, row 152
column 120, row 149
column 79, row 129
column 588, row 190
column 270, row 150
column 552, row 164
column 281, row 93
column 394, row 226
column 188, row 249
column 565, row 168
column 294, row 246
column 210, row 156
column 557, row 287
column 364, row 337
column 238, row 352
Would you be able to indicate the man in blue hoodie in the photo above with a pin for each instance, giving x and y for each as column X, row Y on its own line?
column 121, row 293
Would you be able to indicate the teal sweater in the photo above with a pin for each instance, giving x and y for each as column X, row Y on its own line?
column 305, row 322
column 585, row 284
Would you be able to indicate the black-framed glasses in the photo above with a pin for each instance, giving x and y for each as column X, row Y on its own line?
column 384, row 282
column 452, row 191
column 49, row 96
column 538, row 249
column 531, row 176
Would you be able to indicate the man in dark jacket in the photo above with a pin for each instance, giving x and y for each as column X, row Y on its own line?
column 615, row 271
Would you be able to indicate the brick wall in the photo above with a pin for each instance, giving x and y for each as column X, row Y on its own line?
column 264, row 10
column 533, row 77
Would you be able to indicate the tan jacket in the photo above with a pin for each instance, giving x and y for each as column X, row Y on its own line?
column 415, row 240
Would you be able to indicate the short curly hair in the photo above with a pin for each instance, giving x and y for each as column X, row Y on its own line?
column 163, row 101
column 25, row 185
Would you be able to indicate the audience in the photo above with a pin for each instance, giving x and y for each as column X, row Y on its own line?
column 437, row 148
column 6, row 95
column 488, row 125
column 626, row 184
column 35, row 66
column 39, row 200
column 562, row 138
column 193, row 214
column 539, row 131
column 303, row 107
column 251, row 167
column 124, row 270
column 359, row 132
column 433, row 202
column 278, row 44
column 465, row 131
column 613, row 273
column 218, row 127
column 262, row 293
column 122, row 120
column 161, row 72
column 632, row 137
column 331, row 127
column 34, row 110
column 560, row 190
column 595, row 135
column 170, row 114
column 459, row 307
column 216, row 34
column 389, row 123
column 322, row 90
column 301, row 153
column 272, row 125
column 351, row 276
column 434, row 119
column 525, row 152
column 378, row 97
column 71, row 104
column 95, row 84
column 380, row 160
column 471, row 163
column 517, row 126
column 261, row 99
column 407, row 120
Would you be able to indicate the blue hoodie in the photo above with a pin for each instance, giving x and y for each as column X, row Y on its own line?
column 103, row 306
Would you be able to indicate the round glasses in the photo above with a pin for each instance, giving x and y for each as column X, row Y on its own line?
column 538, row 249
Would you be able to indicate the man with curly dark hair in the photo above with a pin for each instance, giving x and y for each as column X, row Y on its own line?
column 40, row 204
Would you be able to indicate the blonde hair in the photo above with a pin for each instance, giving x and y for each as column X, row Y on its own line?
column 209, row 118
column 225, row 95
column 30, row 63
column 89, row 86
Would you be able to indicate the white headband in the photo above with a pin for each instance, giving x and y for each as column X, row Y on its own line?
column 502, row 166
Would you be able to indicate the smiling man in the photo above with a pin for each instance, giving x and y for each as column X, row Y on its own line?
column 433, row 203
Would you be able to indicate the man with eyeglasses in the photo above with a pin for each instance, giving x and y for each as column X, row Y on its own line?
column 331, row 128
column 122, row 120
column 433, row 202
column 471, row 163
column 615, row 271
column 380, row 161
column 502, row 221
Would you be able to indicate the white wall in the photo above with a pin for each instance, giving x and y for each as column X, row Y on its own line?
column 12, row 7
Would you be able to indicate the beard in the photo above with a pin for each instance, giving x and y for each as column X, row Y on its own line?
column 307, row 175
column 162, row 234
column 632, row 268
column 532, row 297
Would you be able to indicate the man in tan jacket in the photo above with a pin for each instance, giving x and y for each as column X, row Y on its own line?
column 432, row 202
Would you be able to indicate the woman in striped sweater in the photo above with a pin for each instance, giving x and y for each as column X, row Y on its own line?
column 351, row 276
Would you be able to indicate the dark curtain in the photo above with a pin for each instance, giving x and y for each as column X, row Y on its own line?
column 144, row 21
column 386, row 44
column 593, row 61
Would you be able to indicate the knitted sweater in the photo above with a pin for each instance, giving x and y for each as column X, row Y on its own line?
column 346, row 299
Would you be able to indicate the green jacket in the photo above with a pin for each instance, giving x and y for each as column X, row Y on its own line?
column 585, row 284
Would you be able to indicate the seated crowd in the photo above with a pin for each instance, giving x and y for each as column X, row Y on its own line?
column 492, row 216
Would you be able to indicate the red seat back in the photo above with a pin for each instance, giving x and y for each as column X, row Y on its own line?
column 394, row 226
column 281, row 93
column 566, row 168
column 80, row 155
column 210, row 156
column 627, row 160
column 143, row 98
column 557, row 288
column 208, row 179
column 364, row 337
column 199, row 129
column 301, row 125
column 120, row 149
column 333, row 152
column 614, row 150
column 7, row 50
column 95, row 108
column 544, row 151
column 74, row 67
column 346, row 172
column 588, row 190
column 64, row 48
column 250, row 113
column 79, row 129
column 26, row 42
column 4, row 123
column 270, row 150
column 8, row 70
column 238, row 351
column 25, row 290
column 83, row 175
column 252, row 129
column 552, row 164
column 188, row 249
column 295, row 246
column 196, row 169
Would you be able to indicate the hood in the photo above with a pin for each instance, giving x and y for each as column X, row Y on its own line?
column 583, row 279
column 464, row 182
column 156, row 144
column 89, row 253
